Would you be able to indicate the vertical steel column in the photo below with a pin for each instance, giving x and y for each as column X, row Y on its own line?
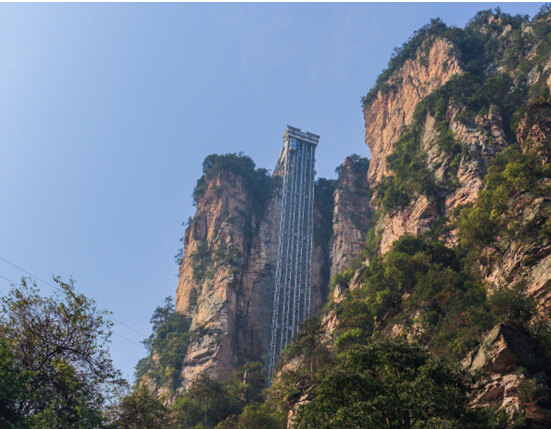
column 292, row 296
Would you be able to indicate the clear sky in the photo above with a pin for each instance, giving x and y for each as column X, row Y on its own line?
column 107, row 111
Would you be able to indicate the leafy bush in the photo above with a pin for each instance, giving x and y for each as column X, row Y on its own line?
column 257, row 180
column 393, row 384
column 54, row 362
column 209, row 403
column 167, row 346
column 423, row 286
column 491, row 221
column 261, row 416
column 139, row 409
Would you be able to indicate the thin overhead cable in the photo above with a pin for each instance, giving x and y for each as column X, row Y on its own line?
column 53, row 286
column 130, row 341
column 5, row 278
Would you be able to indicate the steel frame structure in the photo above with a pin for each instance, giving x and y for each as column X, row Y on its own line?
column 292, row 291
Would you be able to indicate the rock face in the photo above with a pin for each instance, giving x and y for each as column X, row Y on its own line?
column 458, row 178
column 392, row 111
column 227, row 274
column 222, row 264
column 351, row 214
column 226, row 278
column 482, row 140
column 528, row 258
column 534, row 130
column 504, row 350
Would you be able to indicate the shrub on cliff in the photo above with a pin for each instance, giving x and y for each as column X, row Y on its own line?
column 139, row 410
column 167, row 346
column 423, row 286
column 392, row 384
column 256, row 179
column 493, row 220
column 210, row 403
column 261, row 416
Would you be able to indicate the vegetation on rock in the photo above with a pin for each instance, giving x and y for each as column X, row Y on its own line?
column 495, row 78
column 257, row 179
column 387, row 353
column 393, row 384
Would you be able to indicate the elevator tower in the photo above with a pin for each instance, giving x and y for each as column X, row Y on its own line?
column 291, row 302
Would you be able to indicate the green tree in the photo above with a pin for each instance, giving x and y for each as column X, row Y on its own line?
column 168, row 343
column 14, row 387
column 207, row 402
column 307, row 343
column 355, row 323
column 261, row 416
column 57, row 371
column 140, row 410
column 392, row 384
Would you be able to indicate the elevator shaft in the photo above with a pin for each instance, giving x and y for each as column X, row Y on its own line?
column 292, row 292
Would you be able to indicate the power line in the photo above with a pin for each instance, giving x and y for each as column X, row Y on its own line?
column 54, row 287
column 5, row 278
column 26, row 272
column 129, row 327
column 130, row 341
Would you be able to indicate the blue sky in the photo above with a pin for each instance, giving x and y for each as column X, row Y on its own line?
column 107, row 111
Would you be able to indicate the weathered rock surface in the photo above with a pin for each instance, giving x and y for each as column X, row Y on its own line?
column 483, row 139
column 227, row 274
column 351, row 214
column 534, row 130
column 528, row 258
column 501, row 355
column 414, row 220
column 390, row 112
column 217, row 246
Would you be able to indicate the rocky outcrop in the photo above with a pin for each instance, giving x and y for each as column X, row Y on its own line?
column 211, row 289
column 482, row 141
column 509, row 358
column 534, row 131
column 351, row 214
column 256, row 287
column 391, row 111
column 416, row 219
column 459, row 176
column 227, row 274
column 303, row 400
column 527, row 258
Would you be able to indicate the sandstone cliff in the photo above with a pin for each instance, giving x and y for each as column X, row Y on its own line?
column 392, row 109
column 459, row 129
column 512, row 361
column 526, row 255
column 443, row 127
column 213, row 278
column 457, row 138
column 352, row 212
